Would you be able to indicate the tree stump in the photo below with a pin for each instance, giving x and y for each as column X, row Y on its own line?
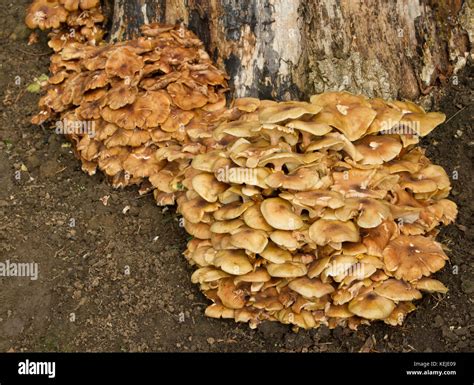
column 290, row 49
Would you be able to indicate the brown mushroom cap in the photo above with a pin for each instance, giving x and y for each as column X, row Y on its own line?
column 370, row 212
column 430, row 285
column 259, row 275
column 377, row 238
column 286, row 270
column 208, row 187
column 423, row 122
column 234, row 262
column 123, row 62
column 387, row 116
column 397, row 290
column 207, row 274
column 324, row 231
column 275, row 254
column 226, row 227
column 302, row 179
column 230, row 295
column 350, row 114
column 246, row 104
column 338, row 311
column 286, row 110
column 310, row 288
column 253, row 218
column 185, row 97
column 279, row 214
column 249, row 239
column 231, row 211
column 371, row 306
column 430, row 179
column 399, row 314
column 284, row 239
column 378, row 149
column 411, row 257
column 45, row 14
column 313, row 128
column 218, row 311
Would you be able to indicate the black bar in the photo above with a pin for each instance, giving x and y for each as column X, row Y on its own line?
column 330, row 368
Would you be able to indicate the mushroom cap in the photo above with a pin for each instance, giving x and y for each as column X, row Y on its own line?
column 284, row 238
column 234, row 262
column 338, row 311
column 45, row 14
column 377, row 238
column 411, row 257
column 350, row 114
column 275, row 254
column 287, row 269
column 399, row 314
column 208, row 187
column 230, row 295
column 226, row 227
column 371, row 212
column 355, row 183
column 322, row 198
column 186, row 97
column 387, row 116
column 207, row 274
column 231, row 211
column 249, row 239
column 302, row 179
column 378, row 149
column 424, row 123
column 209, row 161
column 324, row 231
column 123, row 62
column 371, row 306
column 193, row 210
column 430, row 179
column 246, row 104
column 317, row 267
column 310, row 288
column 430, row 285
column 316, row 129
column 259, row 275
column 397, row 290
column 253, row 218
column 218, row 311
column 278, row 213
column 198, row 230
column 286, row 110
column 221, row 241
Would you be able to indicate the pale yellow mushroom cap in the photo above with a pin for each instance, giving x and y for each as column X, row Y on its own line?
column 279, row 214
column 371, row 306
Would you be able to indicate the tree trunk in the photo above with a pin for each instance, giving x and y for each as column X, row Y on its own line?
column 284, row 49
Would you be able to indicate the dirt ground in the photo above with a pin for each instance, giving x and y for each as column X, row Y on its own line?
column 110, row 281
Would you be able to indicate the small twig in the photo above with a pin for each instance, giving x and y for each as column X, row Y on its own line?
column 33, row 53
column 462, row 109
column 60, row 171
column 20, row 95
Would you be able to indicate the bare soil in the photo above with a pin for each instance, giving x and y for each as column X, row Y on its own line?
column 84, row 300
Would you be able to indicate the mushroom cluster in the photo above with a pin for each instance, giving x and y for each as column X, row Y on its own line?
column 317, row 213
column 306, row 213
column 138, row 110
column 78, row 21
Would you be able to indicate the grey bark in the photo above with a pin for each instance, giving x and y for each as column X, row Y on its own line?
column 284, row 49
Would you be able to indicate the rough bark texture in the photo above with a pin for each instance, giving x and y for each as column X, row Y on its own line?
column 283, row 49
